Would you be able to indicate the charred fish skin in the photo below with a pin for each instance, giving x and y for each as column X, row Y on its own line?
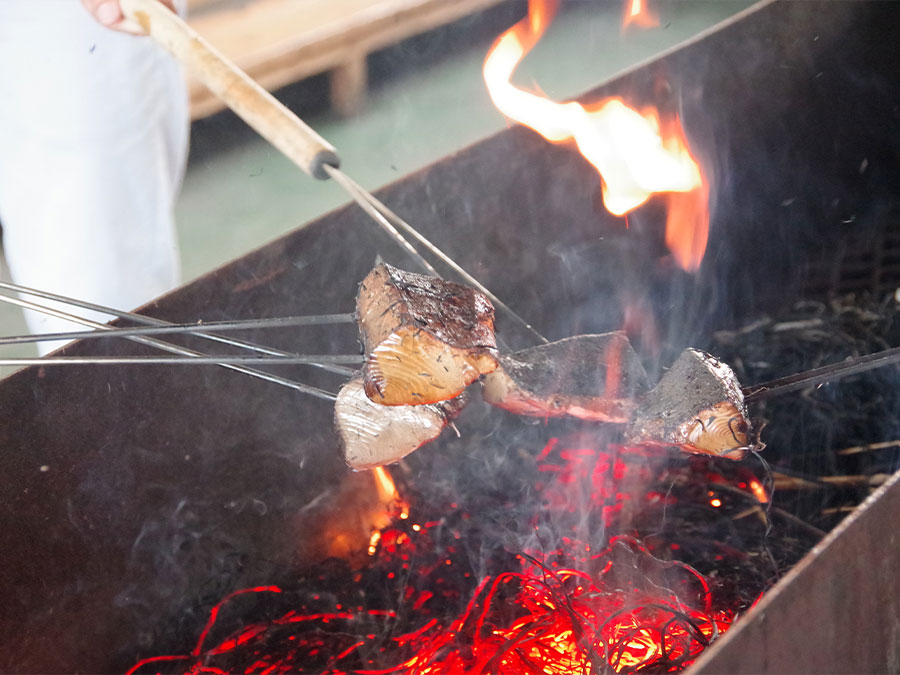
column 595, row 377
column 425, row 339
column 697, row 407
column 373, row 435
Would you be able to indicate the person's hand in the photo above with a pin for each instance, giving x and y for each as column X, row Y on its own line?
column 109, row 13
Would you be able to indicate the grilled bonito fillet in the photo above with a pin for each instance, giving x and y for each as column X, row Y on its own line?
column 425, row 339
column 697, row 407
column 592, row 377
column 373, row 434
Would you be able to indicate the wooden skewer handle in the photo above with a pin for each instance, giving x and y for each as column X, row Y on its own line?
column 256, row 106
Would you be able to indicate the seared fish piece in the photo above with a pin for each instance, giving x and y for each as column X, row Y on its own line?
column 697, row 407
column 373, row 434
column 425, row 339
column 592, row 377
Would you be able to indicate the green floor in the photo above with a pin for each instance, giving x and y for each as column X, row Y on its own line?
column 239, row 193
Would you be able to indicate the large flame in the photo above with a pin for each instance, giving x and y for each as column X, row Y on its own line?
column 635, row 153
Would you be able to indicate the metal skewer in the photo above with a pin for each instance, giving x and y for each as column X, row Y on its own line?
column 150, row 321
column 188, row 359
column 830, row 373
column 370, row 203
column 192, row 328
column 358, row 194
column 150, row 341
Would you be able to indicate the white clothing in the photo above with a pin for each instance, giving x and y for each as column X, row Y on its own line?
column 93, row 144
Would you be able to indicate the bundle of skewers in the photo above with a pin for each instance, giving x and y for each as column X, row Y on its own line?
column 427, row 341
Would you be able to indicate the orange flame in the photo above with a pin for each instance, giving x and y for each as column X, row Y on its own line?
column 759, row 491
column 636, row 12
column 385, row 484
column 388, row 493
column 635, row 154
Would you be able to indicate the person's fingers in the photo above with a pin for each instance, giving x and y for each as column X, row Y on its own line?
column 109, row 13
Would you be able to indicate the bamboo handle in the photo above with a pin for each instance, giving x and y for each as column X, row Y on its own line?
column 256, row 106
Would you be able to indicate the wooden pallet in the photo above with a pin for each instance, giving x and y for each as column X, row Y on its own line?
column 278, row 42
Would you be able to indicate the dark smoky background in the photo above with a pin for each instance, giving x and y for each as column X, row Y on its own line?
column 165, row 490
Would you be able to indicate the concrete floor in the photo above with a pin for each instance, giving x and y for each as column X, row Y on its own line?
column 426, row 100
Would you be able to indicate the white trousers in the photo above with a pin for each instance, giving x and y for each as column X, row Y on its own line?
column 93, row 143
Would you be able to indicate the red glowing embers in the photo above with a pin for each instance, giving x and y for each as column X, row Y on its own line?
column 575, row 599
column 516, row 623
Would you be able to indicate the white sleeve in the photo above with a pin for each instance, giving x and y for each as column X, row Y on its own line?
column 93, row 143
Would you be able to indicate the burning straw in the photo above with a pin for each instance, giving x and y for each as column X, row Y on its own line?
column 656, row 571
